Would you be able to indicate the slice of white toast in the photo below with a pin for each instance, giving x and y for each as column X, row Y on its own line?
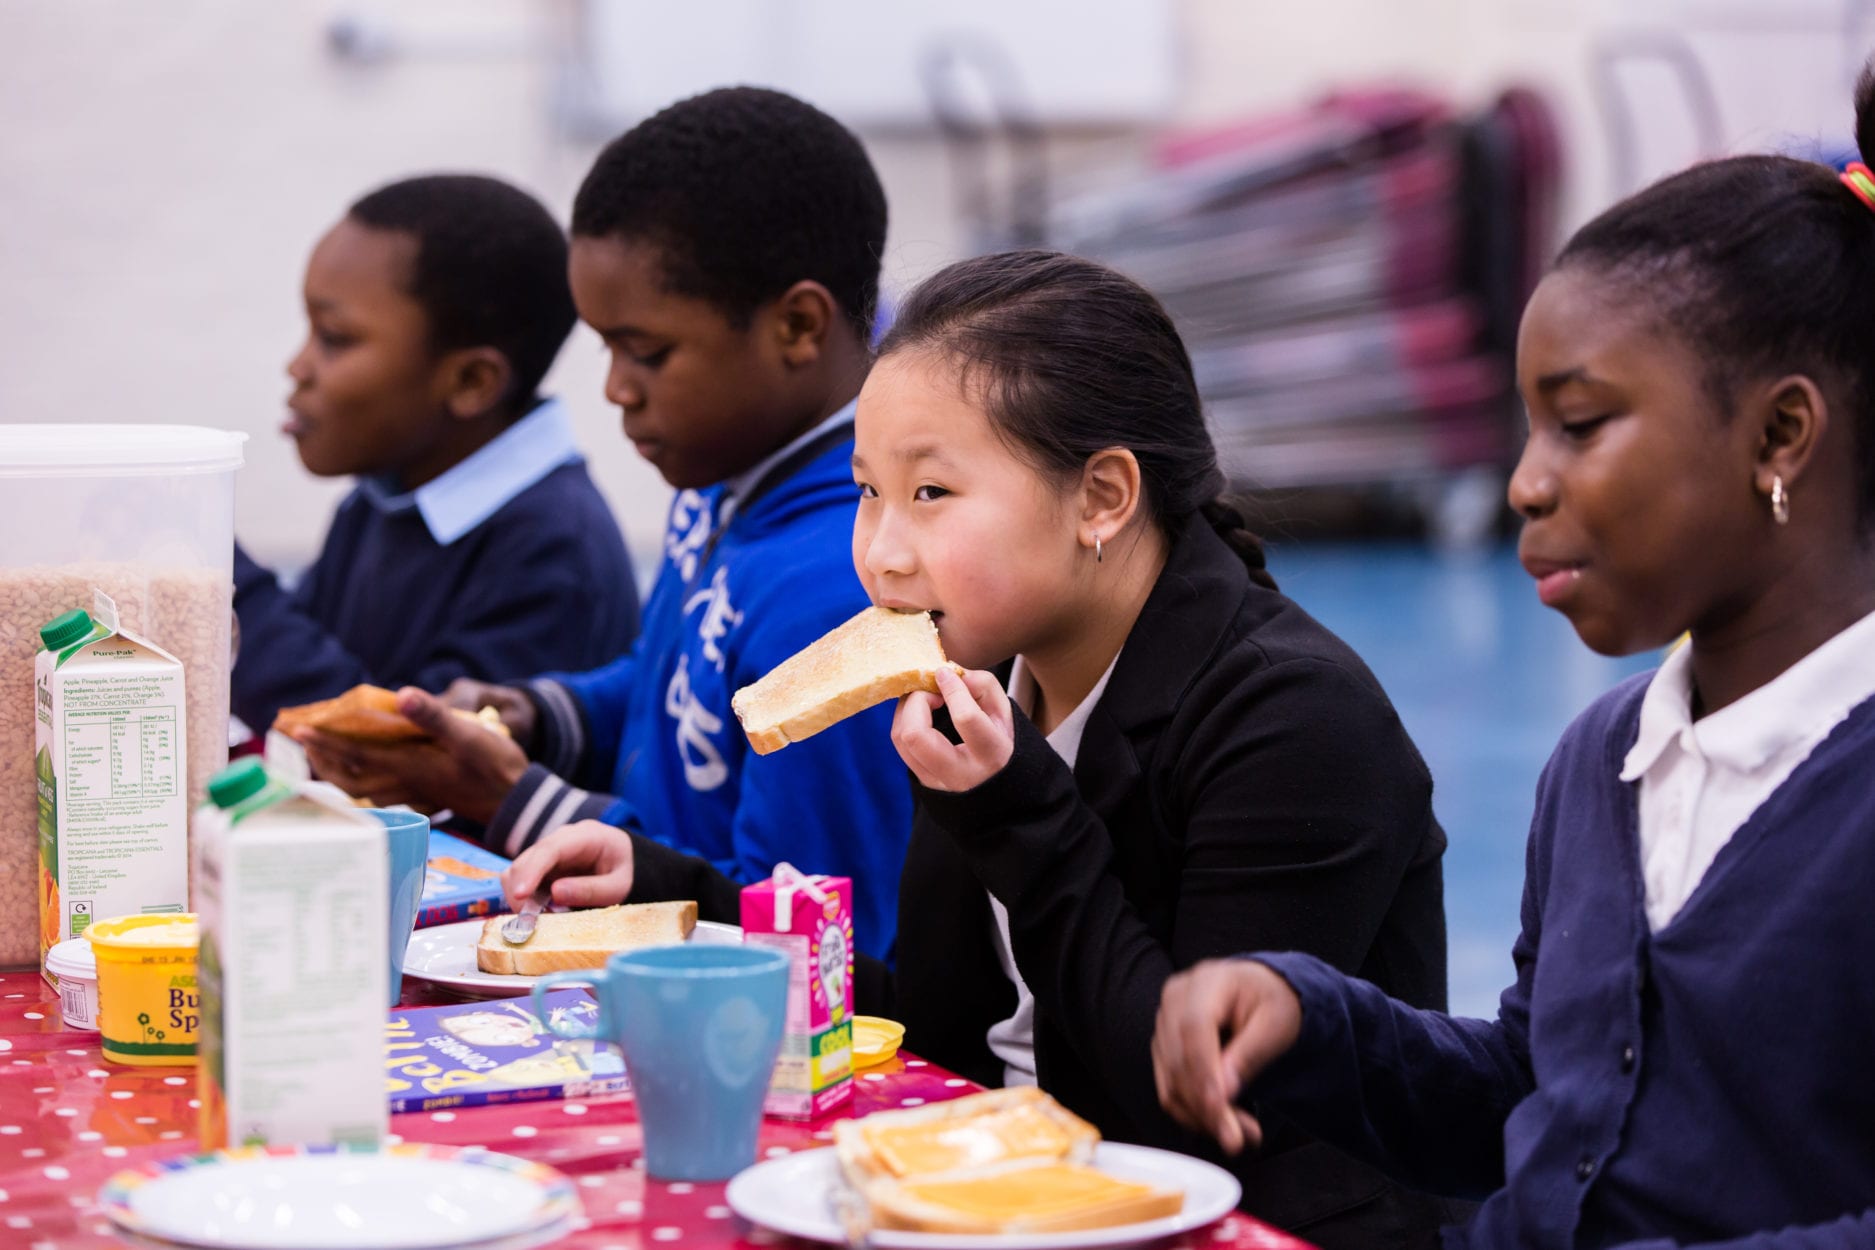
column 995, row 1126
column 879, row 654
column 584, row 939
column 1018, row 1196
column 1003, row 1161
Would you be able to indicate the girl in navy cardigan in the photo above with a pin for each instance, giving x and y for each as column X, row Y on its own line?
column 1685, row 1057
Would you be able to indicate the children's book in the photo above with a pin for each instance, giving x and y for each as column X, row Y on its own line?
column 462, row 881
column 473, row 1054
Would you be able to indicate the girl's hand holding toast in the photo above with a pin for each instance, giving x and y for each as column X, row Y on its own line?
column 464, row 766
column 584, row 864
column 979, row 711
column 1220, row 1023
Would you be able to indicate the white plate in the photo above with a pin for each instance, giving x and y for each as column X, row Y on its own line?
column 789, row 1195
column 405, row 1197
column 445, row 955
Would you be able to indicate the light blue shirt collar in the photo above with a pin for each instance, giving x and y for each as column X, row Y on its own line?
column 469, row 493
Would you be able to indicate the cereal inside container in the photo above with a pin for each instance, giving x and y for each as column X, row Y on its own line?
column 146, row 514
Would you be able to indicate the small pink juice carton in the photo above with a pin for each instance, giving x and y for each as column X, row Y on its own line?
column 811, row 918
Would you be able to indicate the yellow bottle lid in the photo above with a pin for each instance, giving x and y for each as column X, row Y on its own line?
column 875, row 1040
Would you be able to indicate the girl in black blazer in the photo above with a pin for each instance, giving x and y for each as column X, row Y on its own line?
column 1034, row 469
column 1195, row 766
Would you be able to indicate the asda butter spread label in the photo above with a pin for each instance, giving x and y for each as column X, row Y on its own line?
column 171, row 933
column 1035, row 1192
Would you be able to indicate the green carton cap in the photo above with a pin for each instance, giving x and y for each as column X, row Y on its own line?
column 66, row 630
column 238, row 782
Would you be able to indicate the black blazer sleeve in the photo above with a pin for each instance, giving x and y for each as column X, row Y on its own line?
column 1291, row 788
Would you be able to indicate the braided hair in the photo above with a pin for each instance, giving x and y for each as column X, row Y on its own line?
column 1071, row 359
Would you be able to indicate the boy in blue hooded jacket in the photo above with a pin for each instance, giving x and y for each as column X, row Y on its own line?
column 727, row 252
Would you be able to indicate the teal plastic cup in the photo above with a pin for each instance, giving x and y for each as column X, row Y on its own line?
column 700, row 1029
column 408, row 834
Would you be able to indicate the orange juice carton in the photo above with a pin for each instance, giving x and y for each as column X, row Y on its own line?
column 292, row 895
column 811, row 918
column 110, row 725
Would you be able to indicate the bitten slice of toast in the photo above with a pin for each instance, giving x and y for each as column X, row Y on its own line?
column 370, row 713
column 879, row 654
column 584, row 939
column 1018, row 1196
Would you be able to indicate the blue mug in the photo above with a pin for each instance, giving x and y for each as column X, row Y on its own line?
column 408, row 834
column 700, row 1029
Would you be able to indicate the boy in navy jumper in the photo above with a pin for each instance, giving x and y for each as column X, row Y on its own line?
column 727, row 252
column 1684, row 1056
column 475, row 544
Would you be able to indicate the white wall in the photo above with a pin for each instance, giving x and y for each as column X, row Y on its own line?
column 165, row 168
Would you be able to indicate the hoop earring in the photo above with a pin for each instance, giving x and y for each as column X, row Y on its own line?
column 1096, row 549
column 1780, row 501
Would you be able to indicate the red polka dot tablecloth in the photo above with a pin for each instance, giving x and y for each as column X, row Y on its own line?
column 69, row 1120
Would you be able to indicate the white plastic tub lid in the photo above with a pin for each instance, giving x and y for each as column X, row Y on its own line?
column 81, row 450
column 73, row 958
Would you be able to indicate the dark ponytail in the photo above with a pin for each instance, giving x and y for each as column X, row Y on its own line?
column 1070, row 359
column 1763, row 265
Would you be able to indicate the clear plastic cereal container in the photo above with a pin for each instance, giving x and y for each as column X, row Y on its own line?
column 146, row 514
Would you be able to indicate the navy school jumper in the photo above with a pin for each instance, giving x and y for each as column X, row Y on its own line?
column 1710, row 1083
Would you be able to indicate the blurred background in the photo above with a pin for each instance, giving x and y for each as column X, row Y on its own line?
column 1344, row 203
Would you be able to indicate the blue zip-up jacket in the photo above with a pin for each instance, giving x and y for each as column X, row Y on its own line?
column 649, row 742
column 1708, row 1084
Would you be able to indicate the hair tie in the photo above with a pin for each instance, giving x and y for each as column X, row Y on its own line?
column 1858, row 178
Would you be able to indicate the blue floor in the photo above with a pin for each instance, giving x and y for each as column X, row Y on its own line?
column 1486, row 679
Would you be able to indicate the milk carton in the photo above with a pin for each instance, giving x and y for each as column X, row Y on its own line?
column 292, row 889
column 110, row 732
column 811, row 918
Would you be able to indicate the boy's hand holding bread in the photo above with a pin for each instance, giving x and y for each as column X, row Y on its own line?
column 413, row 749
column 1004, row 1161
column 372, row 714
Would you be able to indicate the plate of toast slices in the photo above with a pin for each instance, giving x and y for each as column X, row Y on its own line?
column 1008, row 1169
column 471, row 957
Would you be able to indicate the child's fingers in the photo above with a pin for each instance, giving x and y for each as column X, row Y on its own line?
column 988, row 693
column 934, row 759
column 1186, row 1051
column 344, row 765
column 603, row 853
column 986, row 732
column 602, row 890
column 913, row 717
column 521, row 879
column 1268, row 1018
column 433, row 716
column 1249, row 1129
column 961, row 702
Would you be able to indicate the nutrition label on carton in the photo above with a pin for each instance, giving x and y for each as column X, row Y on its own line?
column 120, row 754
column 115, row 723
